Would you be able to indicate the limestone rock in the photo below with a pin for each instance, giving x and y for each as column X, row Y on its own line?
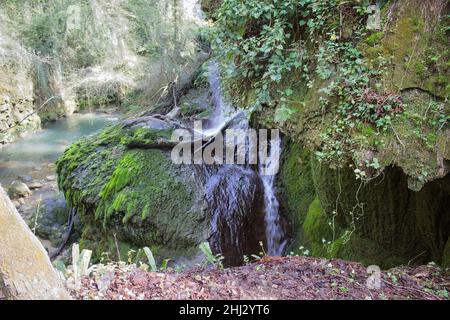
column 18, row 189
column 35, row 185
column 26, row 272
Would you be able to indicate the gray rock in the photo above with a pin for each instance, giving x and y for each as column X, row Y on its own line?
column 50, row 220
column 51, row 178
column 374, row 19
column 18, row 189
column 35, row 185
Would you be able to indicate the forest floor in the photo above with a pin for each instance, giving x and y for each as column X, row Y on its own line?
column 270, row 278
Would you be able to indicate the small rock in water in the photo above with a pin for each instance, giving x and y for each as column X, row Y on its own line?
column 18, row 189
column 35, row 185
column 51, row 178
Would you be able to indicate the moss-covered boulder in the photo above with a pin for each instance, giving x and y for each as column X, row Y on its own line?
column 131, row 197
column 129, row 194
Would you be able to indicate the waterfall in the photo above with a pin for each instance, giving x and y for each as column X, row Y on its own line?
column 222, row 110
column 267, row 171
column 238, row 193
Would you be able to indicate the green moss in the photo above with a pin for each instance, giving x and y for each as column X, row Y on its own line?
column 316, row 228
column 374, row 38
column 145, row 136
column 416, row 50
column 316, row 222
column 297, row 187
column 136, row 194
column 420, row 69
column 296, row 180
column 140, row 187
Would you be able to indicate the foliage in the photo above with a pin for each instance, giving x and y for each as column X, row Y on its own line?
column 148, row 24
column 150, row 258
column 79, row 267
column 211, row 258
column 263, row 42
column 46, row 33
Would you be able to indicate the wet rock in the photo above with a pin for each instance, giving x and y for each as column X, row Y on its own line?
column 35, row 185
column 50, row 220
column 234, row 197
column 18, row 189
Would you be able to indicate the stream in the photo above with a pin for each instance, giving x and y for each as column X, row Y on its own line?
column 35, row 154
column 31, row 160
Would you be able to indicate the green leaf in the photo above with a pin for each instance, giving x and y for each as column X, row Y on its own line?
column 283, row 114
column 206, row 249
column 165, row 264
column 151, row 259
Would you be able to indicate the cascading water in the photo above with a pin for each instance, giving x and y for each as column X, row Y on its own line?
column 243, row 201
column 274, row 230
column 222, row 111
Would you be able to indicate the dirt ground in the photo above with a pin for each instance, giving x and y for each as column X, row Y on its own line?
column 271, row 278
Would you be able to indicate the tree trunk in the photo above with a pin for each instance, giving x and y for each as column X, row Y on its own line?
column 25, row 268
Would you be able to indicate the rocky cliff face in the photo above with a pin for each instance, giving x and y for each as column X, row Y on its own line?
column 363, row 100
column 398, row 210
column 16, row 91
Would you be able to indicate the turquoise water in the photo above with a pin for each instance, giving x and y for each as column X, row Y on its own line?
column 41, row 149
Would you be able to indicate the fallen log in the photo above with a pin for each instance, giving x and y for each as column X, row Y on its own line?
column 169, row 144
